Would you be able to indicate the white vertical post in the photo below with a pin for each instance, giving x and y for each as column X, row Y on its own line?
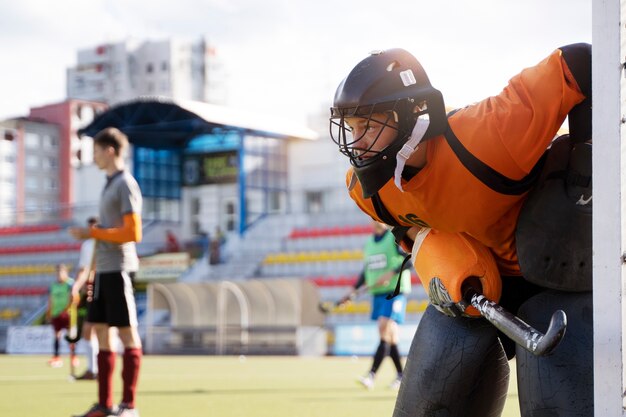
column 609, row 179
column 150, row 320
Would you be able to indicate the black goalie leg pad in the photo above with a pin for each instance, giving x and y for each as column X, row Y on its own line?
column 560, row 384
column 456, row 367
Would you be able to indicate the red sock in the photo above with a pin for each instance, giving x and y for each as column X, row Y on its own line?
column 106, row 366
column 130, row 375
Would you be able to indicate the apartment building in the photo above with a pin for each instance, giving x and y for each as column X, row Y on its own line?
column 120, row 71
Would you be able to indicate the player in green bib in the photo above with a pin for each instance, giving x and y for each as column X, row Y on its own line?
column 383, row 267
column 59, row 302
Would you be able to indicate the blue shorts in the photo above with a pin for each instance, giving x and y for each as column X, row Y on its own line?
column 394, row 309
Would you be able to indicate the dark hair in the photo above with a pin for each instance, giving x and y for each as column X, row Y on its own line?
column 113, row 137
column 92, row 220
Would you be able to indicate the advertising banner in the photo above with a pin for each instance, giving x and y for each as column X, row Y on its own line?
column 362, row 340
column 163, row 267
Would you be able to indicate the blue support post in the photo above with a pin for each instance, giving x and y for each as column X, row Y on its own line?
column 242, row 187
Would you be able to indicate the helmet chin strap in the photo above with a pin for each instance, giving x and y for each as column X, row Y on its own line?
column 409, row 149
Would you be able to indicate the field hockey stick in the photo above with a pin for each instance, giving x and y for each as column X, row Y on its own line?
column 73, row 333
column 72, row 376
column 531, row 339
column 328, row 306
column 72, row 336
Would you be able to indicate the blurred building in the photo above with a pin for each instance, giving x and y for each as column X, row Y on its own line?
column 34, row 160
column 204, row 165
column 317, row 171
column 39, row 156
column 117, row 72
column 9, row 137
column 70, row 115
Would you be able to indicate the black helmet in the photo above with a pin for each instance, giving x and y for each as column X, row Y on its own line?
column 392, row 82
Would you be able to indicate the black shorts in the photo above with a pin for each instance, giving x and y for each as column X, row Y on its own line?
column 113, row 300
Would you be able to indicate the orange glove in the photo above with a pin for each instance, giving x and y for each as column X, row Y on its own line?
column 446, row 262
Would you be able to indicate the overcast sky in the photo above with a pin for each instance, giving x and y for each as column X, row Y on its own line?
column 288, row 56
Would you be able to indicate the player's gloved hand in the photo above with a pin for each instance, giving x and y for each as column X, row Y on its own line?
column 447, row 262
column 347, row 298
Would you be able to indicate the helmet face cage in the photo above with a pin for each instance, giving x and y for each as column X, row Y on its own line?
column 342, row 134
column 388, row 82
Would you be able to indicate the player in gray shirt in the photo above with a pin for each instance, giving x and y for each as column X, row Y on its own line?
column 113, row 303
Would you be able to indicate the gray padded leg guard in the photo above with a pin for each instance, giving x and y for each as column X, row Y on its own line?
column 560, row 384
column 456, row 368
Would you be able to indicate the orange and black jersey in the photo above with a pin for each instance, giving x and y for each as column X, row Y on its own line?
column 509, row 133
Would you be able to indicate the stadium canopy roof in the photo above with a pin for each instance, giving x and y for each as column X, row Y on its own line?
column 162, row 123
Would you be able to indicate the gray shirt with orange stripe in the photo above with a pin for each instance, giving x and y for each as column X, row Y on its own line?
column 121, row 196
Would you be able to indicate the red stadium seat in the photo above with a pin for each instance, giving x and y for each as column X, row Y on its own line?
column 53, row 247
column 339, row 281
column 347, row 281
column 39, row 228
column 313, row 232
column 28, row 291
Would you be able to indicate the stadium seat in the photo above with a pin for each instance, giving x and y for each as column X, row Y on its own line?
column 55, row 247
column 28, row 269
column 24, row 291
column 331, row 231
column 19, row 230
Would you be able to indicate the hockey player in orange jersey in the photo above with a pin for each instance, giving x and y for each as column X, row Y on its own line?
column 460, row 182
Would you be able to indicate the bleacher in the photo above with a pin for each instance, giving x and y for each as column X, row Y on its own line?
column 305, row 263
column 28, row 258
column 29, row 229
column 312, row 251
column 332, row 258
column 328, row 254
column 328, row 238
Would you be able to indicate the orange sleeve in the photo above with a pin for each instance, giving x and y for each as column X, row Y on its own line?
column 129, row 232
column 510, row 131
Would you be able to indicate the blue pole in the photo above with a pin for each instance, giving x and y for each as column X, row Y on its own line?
column 242, row 186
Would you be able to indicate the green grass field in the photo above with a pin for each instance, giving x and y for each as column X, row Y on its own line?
column 176, row 386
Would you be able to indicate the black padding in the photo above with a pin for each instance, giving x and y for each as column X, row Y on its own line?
column 456, row 367
column 554, row 235
column 561, row 384
column 578, row 59
column 399, row 234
